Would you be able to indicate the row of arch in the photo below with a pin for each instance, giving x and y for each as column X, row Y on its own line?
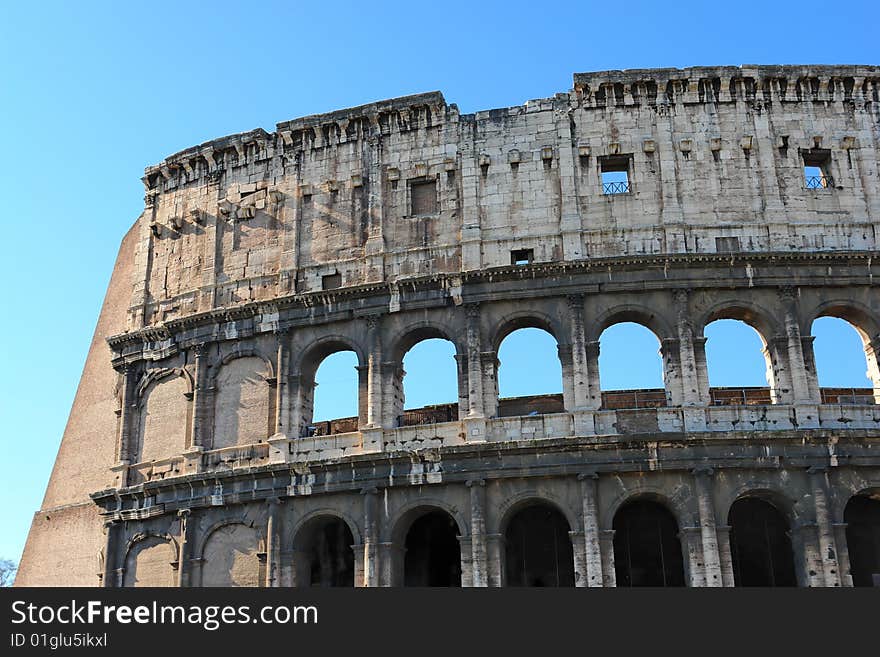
column 537, row 548
column 243, row 401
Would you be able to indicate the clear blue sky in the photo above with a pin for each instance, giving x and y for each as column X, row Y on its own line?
column 92, row 92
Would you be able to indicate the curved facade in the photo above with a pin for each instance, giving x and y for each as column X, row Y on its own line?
column 669, row 198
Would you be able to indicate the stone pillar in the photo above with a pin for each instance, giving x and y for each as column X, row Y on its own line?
column 800, row 386
column 727, row 577
column 391, row 564
column 692, row 394
column 808, row 564
column 827, row 549
column 374, row 373
column 843, row 553
column 479, row 559
column 702, row 370
column 282, row 399
column 672, row 380
column 609, row 569
column 185, row 549
column 709, row 537
column 580, row 565
column 489, row 364
column 358, row 549
column 127, row 403
column 595, row 387
column 592, row 547
column 872, row 354
column 580, row 367
column 201, row 418
column 466, row 561
column 112, row 575
column 273, row 540
column 371, row 537
column 475, row 370
column 564, row 352
column 692, row 545
column 495, row 559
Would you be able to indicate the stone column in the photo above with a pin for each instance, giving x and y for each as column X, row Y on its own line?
column 127, row 403
column 273, row 539
column 201, row 421
column 800, row 386
column 808, row 564
column 595, row 387
column 475, row 371
column 702, row 370
column 495, row 559
column 692, row 545
column 843, row 554
column 577, row 551
column 371, row 537
column 580, row 367
column 489, row 364
column 564, row 352
column 692, row 394
column 592, row 547
column 282, row 388
column 827, row 549
column 466, row 561
column 609, row 569
column 479, row 559
column 669, row 352
column 727, row 577
column 709, row 537
column 185, row 549
column 112, row 576
column 374, row 373
column 872, row 354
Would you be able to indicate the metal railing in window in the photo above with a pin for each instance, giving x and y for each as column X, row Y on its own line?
column 615, row 187
column 818, row 182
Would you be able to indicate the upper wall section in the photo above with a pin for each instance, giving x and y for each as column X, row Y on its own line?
column 409, row 187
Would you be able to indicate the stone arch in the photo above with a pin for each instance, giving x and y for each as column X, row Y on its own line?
column 148, row 562
column 323, row 545
column 767, row 491
column 164, row 418
column 761, row 549
column 245, row 352
column 648, row 545
column 397, row 528
column 650, row 318
column 531, row 318
column 866, row 325
column 415, row 564
column 761, row 320
column 232, row 554
column 243, row 399
column 409, row 337
column 310, row 359
column 515, row 503
column 538, row 548
column 678, row 504
column 353, row 527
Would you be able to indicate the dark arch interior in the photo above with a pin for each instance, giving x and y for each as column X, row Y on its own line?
column 433, row 554
column 538, row 548
column 862, row 518
column 647, row 551
column 760, row 545
column 330, row 555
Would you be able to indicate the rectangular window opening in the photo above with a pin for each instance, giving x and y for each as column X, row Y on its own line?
column 522, row 256
column 423, row 197
column 331, row 281
column 615, row 174
column 817, row 168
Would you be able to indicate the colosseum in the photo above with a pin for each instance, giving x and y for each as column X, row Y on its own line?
column 669, row 198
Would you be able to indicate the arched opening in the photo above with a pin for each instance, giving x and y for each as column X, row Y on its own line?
column 430, row 383
column 151, row 561
column 739, row 366
column 323, row 553
column 647, row 551
column 841, row 361
column 529, row 373
column 862, row 518
column 538, row 549
column 630, row 367
column 334, row 403
column 760, row 546
column 231, row 557
column 433, row 553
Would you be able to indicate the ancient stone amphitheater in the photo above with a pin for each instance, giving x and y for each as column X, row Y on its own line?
column 670, row 198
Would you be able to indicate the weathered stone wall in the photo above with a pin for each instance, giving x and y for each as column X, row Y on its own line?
column 371, row 229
